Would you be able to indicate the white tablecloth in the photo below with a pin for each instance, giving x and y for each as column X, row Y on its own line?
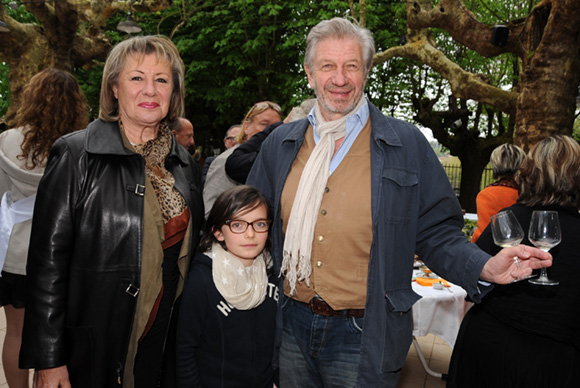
column 439, row 312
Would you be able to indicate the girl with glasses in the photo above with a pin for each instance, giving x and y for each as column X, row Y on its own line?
column 227, row 320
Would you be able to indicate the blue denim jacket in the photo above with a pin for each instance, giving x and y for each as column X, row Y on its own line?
column 414, row 210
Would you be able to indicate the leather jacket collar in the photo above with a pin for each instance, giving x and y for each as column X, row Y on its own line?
column 104, row 138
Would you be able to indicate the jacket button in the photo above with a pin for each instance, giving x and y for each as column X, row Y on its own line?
column 323, row 212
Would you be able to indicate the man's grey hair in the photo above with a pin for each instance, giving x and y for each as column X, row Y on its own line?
column 340, row 28
column 230, row 129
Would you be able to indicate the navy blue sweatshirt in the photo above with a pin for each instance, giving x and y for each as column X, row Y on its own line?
column 219, row 346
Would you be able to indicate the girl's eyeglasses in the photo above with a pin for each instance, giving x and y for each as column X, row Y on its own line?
column 239, row 226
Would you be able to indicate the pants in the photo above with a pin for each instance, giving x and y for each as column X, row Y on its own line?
column 318, row 351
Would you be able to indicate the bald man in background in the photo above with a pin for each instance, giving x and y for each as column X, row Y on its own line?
column 183, row 133
column 229, row 142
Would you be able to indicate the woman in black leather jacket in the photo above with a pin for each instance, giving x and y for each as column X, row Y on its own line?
column 117, row 214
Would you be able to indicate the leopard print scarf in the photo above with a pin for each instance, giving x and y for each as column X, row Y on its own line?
column 155, row 152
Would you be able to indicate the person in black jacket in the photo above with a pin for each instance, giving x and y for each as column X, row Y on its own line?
column 522, row 334
column 117, row 211
column 240, row 162
column 227, row 322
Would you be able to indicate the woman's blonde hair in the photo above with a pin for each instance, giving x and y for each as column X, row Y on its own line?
column 550, row 173
column 138, row 47
column 255, row 110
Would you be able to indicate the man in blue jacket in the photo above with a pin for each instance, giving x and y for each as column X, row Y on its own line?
column 356, row 194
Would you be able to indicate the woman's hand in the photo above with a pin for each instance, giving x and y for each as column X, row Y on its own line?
column 51, row 378
column 502, row 268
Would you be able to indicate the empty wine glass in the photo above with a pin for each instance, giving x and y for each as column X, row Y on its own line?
column 545, row 234
column 507, row 232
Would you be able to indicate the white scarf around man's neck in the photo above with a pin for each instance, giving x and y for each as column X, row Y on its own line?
column 300, row 230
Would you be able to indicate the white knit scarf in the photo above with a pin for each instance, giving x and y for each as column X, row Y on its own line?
column 244, row 288
column 300, row 230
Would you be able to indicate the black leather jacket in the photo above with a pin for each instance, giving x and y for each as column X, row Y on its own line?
column 84, row 260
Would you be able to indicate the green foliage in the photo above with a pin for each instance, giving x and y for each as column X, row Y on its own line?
column 486, row 177
column 90, row 81
column 21, row 14
column 4, row 89
column 240, row 52
column 576, row 128
column 388, row 85
column 469, row 227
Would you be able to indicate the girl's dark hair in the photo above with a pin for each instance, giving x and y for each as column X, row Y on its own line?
column 52, row 106
column 237, row 199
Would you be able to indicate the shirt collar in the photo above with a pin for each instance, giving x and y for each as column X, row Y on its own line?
column 356, row 121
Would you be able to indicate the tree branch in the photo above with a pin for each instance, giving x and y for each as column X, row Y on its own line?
column 463, row 84
column 463, row 26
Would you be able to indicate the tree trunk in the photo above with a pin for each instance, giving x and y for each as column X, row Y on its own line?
column 550, row 77
column 472, row 167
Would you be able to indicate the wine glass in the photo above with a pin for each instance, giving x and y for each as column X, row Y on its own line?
column 507, row 232
column 545, row 234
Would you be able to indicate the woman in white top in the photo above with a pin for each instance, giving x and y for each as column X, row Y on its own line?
column 52, row 105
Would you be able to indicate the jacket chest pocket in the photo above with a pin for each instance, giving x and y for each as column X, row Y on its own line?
column 399, row 195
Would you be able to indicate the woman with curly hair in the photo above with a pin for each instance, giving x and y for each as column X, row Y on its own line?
column 52, row 105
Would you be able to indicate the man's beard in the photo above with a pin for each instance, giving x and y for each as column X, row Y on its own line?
column 324, row 104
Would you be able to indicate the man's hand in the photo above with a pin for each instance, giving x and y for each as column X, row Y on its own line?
column 502, row 268
column 51, row 378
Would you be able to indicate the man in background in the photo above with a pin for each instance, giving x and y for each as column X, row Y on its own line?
column 183, row 132
column 229, row 142
column 230, row 137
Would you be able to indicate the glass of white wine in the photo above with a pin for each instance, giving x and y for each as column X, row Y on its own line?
column 507, row 232
column 545, row 234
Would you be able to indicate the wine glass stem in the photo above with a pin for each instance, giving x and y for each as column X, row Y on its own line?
column 543, row 274
column 517, row 261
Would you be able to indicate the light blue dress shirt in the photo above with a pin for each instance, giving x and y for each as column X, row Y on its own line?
column 354, row 125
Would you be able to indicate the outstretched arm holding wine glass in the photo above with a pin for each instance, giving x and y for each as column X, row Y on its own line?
column 502, row 268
